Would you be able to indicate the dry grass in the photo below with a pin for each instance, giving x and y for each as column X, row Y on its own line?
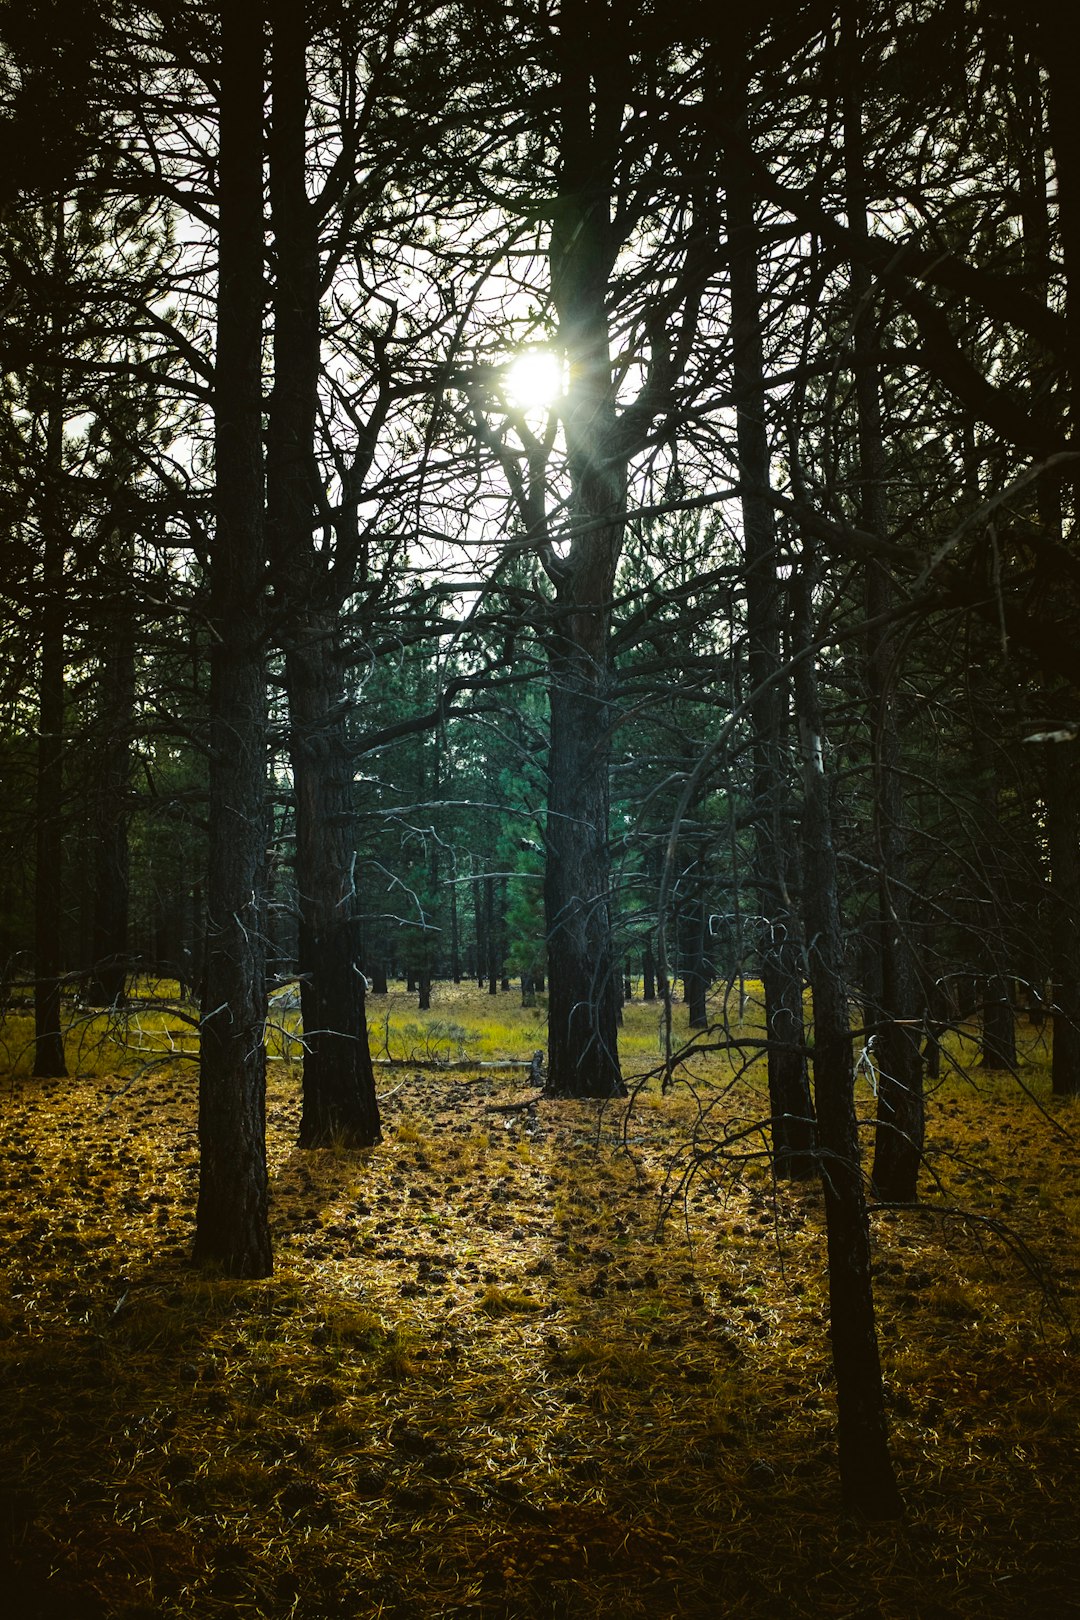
column 485, row 1381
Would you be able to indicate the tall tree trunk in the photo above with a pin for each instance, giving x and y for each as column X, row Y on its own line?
column 491, row 935
column 116, row 709
column 455, row 934
column 790, row 1105
column 866, row 1473
column 49, row 1058
column 901, row 1107
column 998, row 1042
column 1062, row 818
column 232, row 1226
column 583, row 1054
column 1063, row 826
column 1055, row 43
column 696, row 978
column 479, row 894
column 339, row 1099
column 648, row 971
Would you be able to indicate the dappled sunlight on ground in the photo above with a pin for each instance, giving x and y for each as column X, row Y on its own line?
column 525, row 1358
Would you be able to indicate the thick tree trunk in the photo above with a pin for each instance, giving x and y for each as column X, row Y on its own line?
column 866, row 1473
column 339, row 1100
column 583, row 1056
column 1055, row 42
column 232, row 1227
column 1053, row 39
column 790, row 1105
column 340, row 1106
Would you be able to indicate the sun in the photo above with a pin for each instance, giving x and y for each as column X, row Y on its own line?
column 534, row 380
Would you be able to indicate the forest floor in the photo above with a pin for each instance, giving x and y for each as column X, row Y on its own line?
column 559, row 1360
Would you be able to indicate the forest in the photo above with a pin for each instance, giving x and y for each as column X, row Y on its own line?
column 540, row 852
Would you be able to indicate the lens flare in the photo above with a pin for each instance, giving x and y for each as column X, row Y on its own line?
column 534, row 380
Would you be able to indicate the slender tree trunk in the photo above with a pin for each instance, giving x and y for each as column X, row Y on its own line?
column 503, row 935
column 648, row 971
column 696, row 979
column 109, row 949
column 866, row 1473
column 455, row 935
column 901, row 1108
column 491, row 936
column 48, row 883
column 339, row 1100
column 938, row 1012
column 232, row 1226
column 998, row 1023
column 1063, row 825
column 479, row 893
column 1055, row 42
column 790, row 1104
column 49, row 1061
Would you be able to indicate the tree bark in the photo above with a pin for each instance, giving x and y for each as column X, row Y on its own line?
column 49, row 1060
column 232, row 1227
column 1062, row 819
column 696, row 979
column 790, row 1106
column 998, row 1024
column 648, row 971
column 901, row 1108
column 479, row 894
column 340, row 1106
column 455, row 934
column 867, row 1481
column 339, row 1100
column 116, row 683
column 583, row 1055
column 491, row 936
column 1063, row 826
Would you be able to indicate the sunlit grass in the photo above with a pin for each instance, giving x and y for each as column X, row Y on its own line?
column 484, row 1379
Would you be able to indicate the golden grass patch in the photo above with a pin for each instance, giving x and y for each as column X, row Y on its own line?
column 560, row 1361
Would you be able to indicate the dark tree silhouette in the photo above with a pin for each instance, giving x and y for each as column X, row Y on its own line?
column 232, row 1227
